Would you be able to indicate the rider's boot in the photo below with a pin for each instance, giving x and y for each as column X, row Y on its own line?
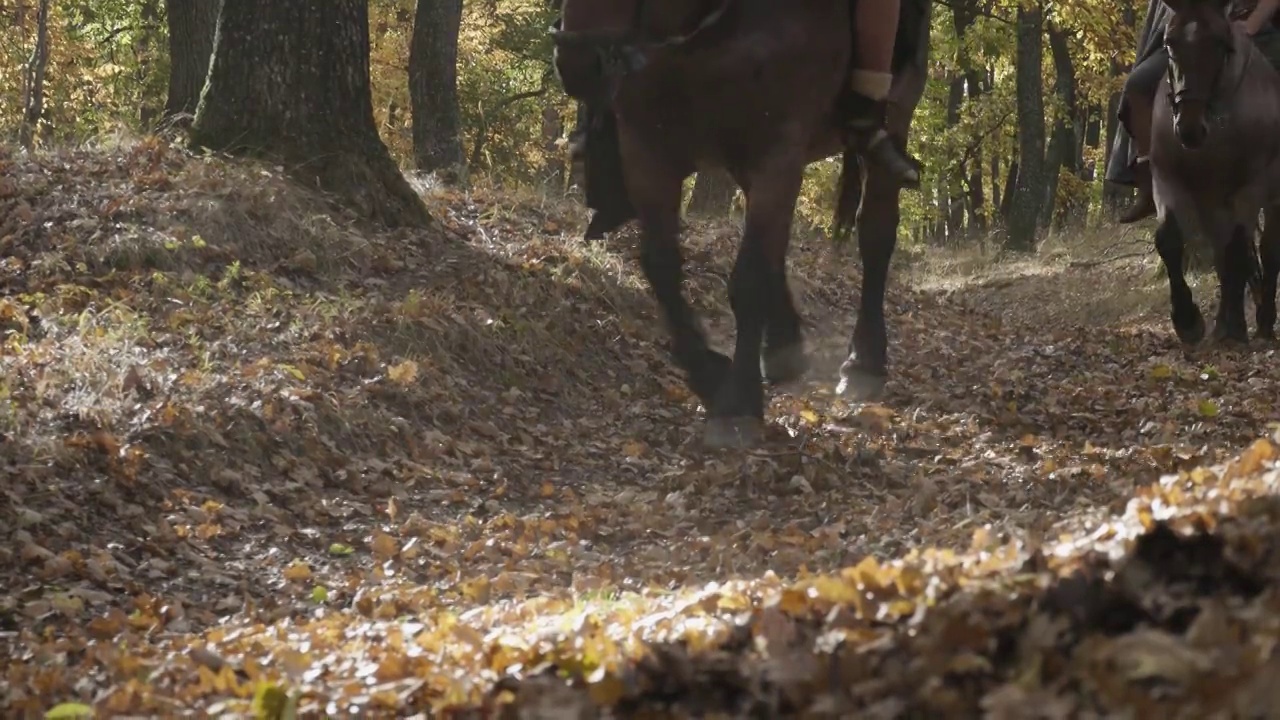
column 864, row 116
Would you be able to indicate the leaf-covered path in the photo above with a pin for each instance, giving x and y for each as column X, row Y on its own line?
column 251, row 450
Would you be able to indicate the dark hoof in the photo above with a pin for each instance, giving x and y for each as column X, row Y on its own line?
column 1193, row 333
column 859, row 384
column 785, row 365
column 1229, row 337
column 733, row 433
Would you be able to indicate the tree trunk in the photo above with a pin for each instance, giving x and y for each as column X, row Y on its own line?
column 713, row 192
column 552, row 131
column 1029, row 193
column 1064, row 143
column 1114, row 195
column 975, row 88
column 963, row 15
column 1010, row 190
column 433, row 85
column 192, row 25
column 290, row 82
column 953, row 203
column 37, row 65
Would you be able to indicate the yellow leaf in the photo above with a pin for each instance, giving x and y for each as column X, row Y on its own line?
column 809, row 416
column 1161, row 372
column 547, row 490
column 69, row 711
column 1207, row 408
column 384, row 546
column 633, row 448
column 404, row 373
column 295, row 372
column 297, row 571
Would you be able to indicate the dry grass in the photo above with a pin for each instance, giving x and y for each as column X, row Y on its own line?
column 1069, row 267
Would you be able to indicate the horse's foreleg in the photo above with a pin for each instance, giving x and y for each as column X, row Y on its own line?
column 1188, row 323
column 760, row 298
column 1233, row 264
column 785, row 359
column 1269, row 250
column 864, row 373
column 655, row 188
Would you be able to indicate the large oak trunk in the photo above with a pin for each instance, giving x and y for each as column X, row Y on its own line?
column 192, row 26
column 433, row 84
column 290, row 82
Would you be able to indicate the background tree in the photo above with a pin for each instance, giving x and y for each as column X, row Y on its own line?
column 1032, row 180
column 713, row 193
column 290, row 81
column 33, row 100
column 192, row 25
column 433, row 84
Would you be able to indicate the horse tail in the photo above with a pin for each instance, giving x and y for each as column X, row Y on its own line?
column 848, row 197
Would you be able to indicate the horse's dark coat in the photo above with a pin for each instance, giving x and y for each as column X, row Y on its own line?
column 750, row 86
column 1215, row 161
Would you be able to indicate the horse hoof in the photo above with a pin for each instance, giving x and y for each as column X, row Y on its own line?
column 785, row 365
column 733, row 433
column 860, row 385
column 1192, row 334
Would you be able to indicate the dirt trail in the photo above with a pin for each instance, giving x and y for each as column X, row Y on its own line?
column 221, row 401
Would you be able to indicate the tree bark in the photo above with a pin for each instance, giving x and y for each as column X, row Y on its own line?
column 1029, row 193
column 433, row 85
column 713, row 192
column 1064, row 142
column 192, row 26
column 552, row 131
column 37, row 66
column 290, row 82
column 975, row 88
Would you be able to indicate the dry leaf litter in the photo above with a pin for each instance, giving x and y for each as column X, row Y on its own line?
column 258, row 460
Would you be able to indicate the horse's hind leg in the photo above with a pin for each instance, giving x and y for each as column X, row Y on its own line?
column 1234, row 265
column 1269, row 250
column 756, row 289
column 655, row 188
column 1188, row 323
column 864, row 373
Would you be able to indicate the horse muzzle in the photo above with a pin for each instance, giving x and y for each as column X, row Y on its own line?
column 1191, row 133
column 590, row 64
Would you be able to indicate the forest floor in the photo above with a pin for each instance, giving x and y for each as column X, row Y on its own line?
column 259, row 460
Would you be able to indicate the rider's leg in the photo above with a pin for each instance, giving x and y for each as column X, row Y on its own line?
column 877, row 28
column 1138, row 104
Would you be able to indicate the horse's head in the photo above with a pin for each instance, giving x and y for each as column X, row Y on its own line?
column 594, row 42
column 1200, row 42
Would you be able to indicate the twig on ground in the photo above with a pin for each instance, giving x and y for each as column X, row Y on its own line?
column 1107, row 260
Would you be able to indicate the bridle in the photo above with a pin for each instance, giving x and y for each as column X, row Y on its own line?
column 1177, row 95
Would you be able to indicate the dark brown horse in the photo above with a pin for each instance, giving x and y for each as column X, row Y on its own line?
column 750, row 86
column 1215, row 162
